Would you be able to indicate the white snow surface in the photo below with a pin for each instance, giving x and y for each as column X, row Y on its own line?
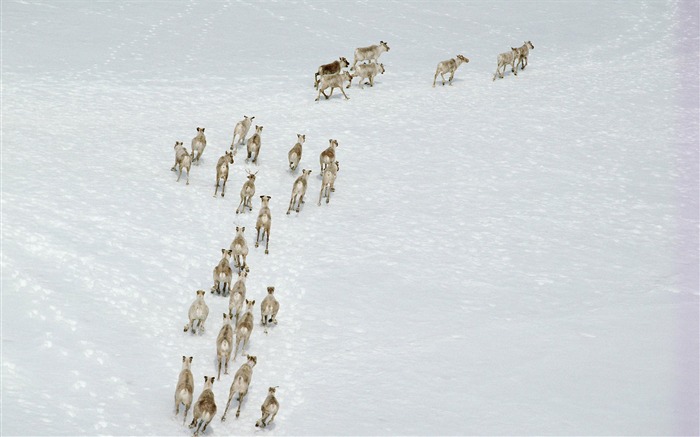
column 515, row 256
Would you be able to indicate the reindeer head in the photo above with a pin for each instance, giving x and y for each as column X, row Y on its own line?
column 229, row 157
column 201, row 293
column 177, row 143
column 385, row 45
column 265, row 200
column 301, row 138
column 240, row 231
column 186, row 362
column 200, row 129
column 258, row 129
column 252, row 360
column 462, row 58
column 208, row 382
column 305, row 173
column 272, row 390
column 333, row 143
column 343, row 62
column 270, row 290
column 226, row 253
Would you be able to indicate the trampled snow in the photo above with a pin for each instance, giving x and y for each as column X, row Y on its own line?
column 517, row 256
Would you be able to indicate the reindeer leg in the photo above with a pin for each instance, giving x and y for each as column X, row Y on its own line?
column 230, row 396
column 217, row 187
column 257, row 236
column 219, row 375
column 267, row 242
column 223, row 187
column 184, row 418
column 346, row 96
column 240, row 401
column 301, row 200
column 452, row 76
column 188, row 177
column 320, row 196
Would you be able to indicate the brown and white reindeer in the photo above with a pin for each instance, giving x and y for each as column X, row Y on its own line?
column 239, row 248
column 199, row 142
column 370, row 53
column 253, row 145
column 504, row 59
column 183, row 160
column 263, row 223
column 523, row 53
column 294, row 155
column 205, row 407
column 184, row 391
column 241, row 384
column 222, row 171
column 244, row 327
column 269, row 408
column 238, row 292
column 328, row 155
column 328, row 181
column 333, row 81
column 299, row 190
column 247, row 193
column 269, row 308
column 198, row 312
column 224, row 344
column 241, row 129
column 330, row 68
column 449, row 66
column 223, row 273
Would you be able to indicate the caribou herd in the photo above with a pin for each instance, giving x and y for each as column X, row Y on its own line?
column 238, row 320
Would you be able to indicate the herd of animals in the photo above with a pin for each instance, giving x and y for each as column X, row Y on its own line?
column 237, row 322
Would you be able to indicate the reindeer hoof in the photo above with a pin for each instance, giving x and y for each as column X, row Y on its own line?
column 266, row 251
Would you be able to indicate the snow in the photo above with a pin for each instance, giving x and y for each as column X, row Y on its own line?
column 517, row 256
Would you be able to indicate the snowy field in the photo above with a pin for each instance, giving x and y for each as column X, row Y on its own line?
column 517, row 256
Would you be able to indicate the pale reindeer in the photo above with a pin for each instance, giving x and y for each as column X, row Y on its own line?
column 449, row 66
column 241, row 129
column 368, row 71
column 264, row 222
column 222, row 171
column 238, row 293
column 183, row 160
column 223, row 273
column 328, row 155
column 269, row 408
column 523, row 53
column 241, row 384
column 247, row 193
column 239, row 248
column 330, row 68
column 253, row 145
column 370, row 53
column 205, row 407
column 198, row 312
column 504, row 59
column 185, row 388
column 299, row 190
column 224, row 343
column 199, row 142
column 244, row 328
column 333, row 81
column 269, row 308
column 294, row 155
column 328, row 182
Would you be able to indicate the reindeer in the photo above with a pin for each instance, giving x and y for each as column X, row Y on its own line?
column 505, row 59
column 199, row 311
column 333, row 81
column 264, row 222
column 299, row 190
column 332, row 68
column 269, row 308
column 185, row 388
column 223, row 273
column 222, row 171
column 328, row 181
column 240, row 384
column 269, row 408
column 238, row 293
column 239, row 248
column 241, row 129
column 199, row 142
column 205, row 408
column 294, row 154
column 244, row 327
column 224, row 341
column 183, row 160
column 523, row 53
column 253, row 144
column 328, row 155
column 370, row 53
column 449, row 66
column 368, row 71
column 247, row 193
